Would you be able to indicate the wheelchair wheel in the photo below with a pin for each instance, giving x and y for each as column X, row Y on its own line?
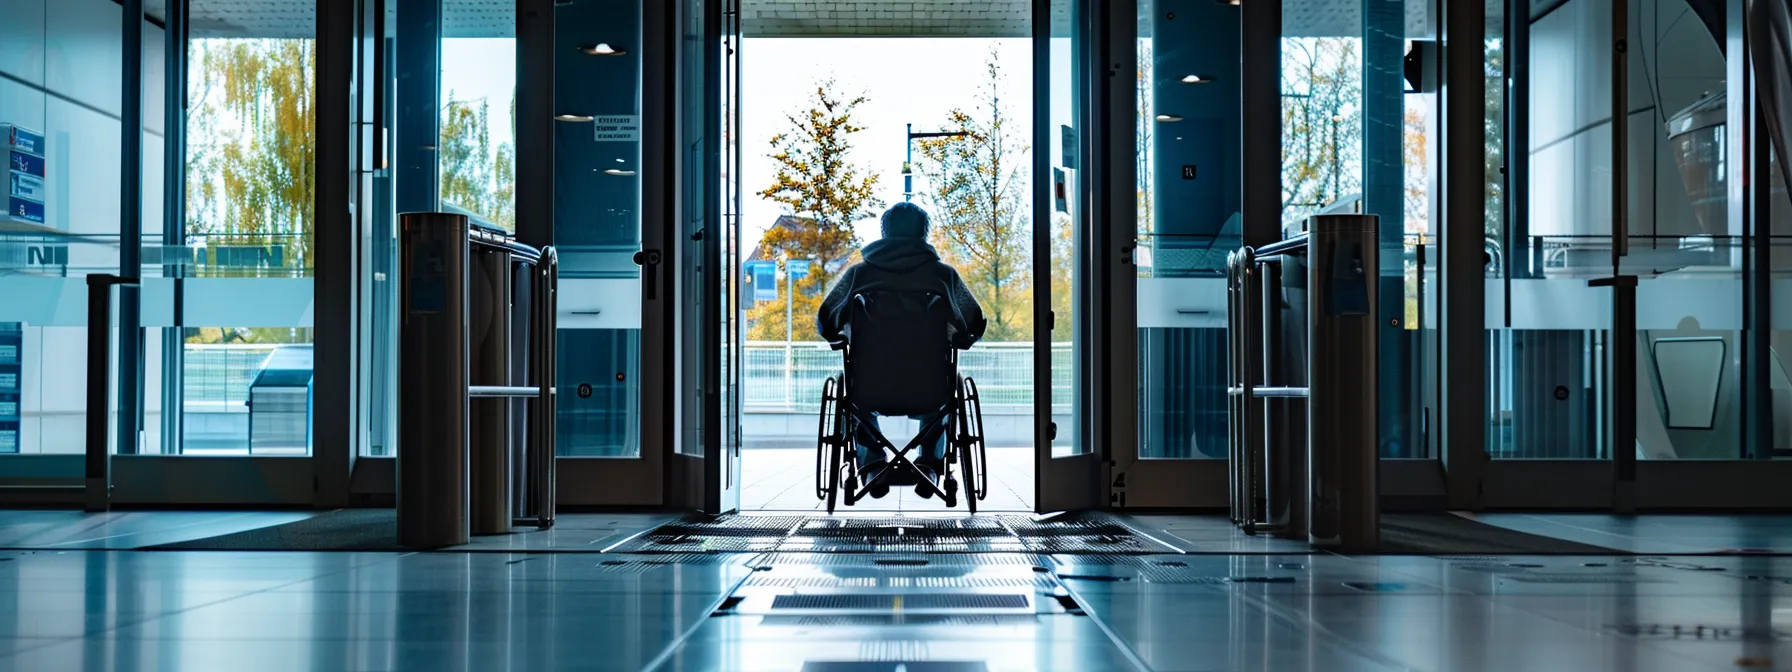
column 975, row 450
column 826, row 437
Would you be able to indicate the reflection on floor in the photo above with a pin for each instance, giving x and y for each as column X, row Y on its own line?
column 1266, row 605
column 784, row 480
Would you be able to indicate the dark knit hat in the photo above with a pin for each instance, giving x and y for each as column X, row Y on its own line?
column 905, row 220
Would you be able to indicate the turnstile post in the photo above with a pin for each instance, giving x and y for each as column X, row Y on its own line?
column 433, row 366
column 1342, row 448
column 490, row 435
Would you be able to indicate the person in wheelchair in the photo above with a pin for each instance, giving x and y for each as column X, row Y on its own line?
column 902, row 261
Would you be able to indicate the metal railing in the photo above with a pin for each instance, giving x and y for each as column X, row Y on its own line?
column 1302, row 384
column 467, row 372
column 780, row 379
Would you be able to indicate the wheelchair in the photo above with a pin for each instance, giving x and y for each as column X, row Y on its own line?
column 899, row 361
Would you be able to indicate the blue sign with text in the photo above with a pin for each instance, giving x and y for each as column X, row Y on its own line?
column 22, row 139
column 12, row 372
column 29, row 164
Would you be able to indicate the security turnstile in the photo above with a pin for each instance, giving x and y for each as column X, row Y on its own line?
column 1302, row 384
column 469, row 374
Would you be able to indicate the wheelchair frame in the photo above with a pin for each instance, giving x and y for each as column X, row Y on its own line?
column 836, row 456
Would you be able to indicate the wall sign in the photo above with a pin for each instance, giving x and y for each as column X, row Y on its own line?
column 12, row 373
column 25, row 170
column 617, row 128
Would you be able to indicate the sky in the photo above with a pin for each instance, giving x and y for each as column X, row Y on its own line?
column 909, row 80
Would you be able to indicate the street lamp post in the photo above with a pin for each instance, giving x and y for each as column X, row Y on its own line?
column 908, row 163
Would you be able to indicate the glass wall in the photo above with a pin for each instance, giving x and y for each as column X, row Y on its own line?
column 1188, row 222
column 477, row 152
column 597, row 228
column 60, row 122
column 1069, row 233
column 243, row 317
column 1548, row 331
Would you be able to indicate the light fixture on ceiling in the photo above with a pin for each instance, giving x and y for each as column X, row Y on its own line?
column 1233, row 3
column 603, row 49
column 1196, row 79
column 1169, row 118
column 619, row 172
column 574, row 118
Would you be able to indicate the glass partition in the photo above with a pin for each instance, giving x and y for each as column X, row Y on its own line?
column 597, row 227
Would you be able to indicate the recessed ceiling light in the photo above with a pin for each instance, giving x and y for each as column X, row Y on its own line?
column 603, row 49
column 1168, row 118
column 1196, row 79
column 619, row 172
column 576, row 118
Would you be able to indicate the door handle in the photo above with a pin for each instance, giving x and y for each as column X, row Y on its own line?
column 649, row 261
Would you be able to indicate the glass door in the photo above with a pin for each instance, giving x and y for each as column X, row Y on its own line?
column 1069, row 464
column 706, row 464
column 612, row 202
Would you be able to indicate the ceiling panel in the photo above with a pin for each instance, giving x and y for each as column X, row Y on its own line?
column 776, row 18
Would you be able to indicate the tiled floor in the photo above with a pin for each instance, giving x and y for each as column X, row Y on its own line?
column 1270, row 605
column 776, row 479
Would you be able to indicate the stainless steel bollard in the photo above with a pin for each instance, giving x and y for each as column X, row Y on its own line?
column 432, row 381
column 489, row 447
column 1343, row 462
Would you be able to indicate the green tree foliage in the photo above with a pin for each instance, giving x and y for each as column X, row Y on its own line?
column 251, row 159
column 1322, row 123
column 816, row 181
column 475, row 175
column 267, row 164
column 980, row 209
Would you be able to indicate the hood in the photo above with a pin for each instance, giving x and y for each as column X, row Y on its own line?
column 900, row 255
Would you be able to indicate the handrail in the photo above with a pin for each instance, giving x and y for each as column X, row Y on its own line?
column 1290, row 245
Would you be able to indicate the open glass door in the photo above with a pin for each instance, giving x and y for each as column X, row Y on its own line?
column 1069, row 471
column 706, row 464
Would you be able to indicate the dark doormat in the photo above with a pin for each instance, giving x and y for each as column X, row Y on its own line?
column 1449, row 534
column 340, row 530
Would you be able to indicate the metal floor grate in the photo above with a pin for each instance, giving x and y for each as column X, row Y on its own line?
column 875, row 620
column 1087, row 534
column 916, row 601
column 761, row 580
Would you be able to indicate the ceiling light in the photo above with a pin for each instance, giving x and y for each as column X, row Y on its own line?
column 603, row 49
column 1196, row 79
column 576, row 118
column 1168, row 118
column 619, row 172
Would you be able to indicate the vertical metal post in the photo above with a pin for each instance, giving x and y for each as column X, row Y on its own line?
column 488, row 316
column 543, row 413
column 1463, row 298
column 1343, row 457
column 335, row 418
column 1623, row 350
column 432, row 381
column 908, row 164
column 130, row 232
column 98, row 468
column 174, row 209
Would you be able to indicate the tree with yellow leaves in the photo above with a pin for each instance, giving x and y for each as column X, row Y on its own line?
column 981, row 211
column 826, row 193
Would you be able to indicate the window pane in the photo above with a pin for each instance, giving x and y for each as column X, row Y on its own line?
column 597, row 228
column 244, row 325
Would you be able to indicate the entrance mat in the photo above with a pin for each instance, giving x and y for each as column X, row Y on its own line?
column 340, row 530
column 1071, row 535
column 1448, row 534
